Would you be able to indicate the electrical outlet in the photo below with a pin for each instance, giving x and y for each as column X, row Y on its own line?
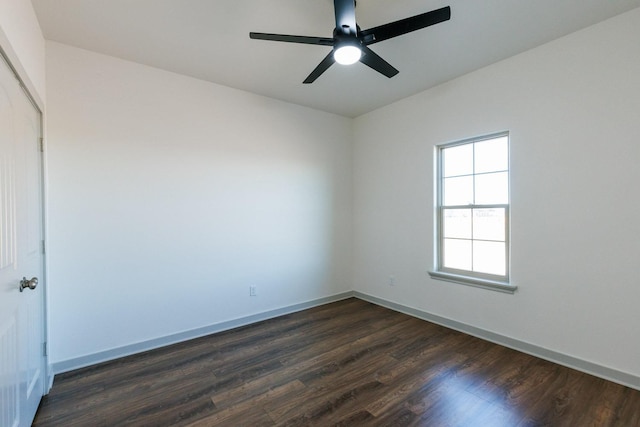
column 392, row 280
column 253, row 291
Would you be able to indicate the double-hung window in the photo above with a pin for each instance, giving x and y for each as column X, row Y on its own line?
column 472, row 212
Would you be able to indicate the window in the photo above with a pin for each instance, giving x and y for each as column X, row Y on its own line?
column 472, row 212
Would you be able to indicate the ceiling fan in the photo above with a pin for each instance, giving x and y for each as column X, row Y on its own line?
column 350, row 43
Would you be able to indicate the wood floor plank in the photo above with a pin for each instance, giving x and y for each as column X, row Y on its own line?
column 426, row 376
column 249, row 417
column 326, row 409
column 359, row 418
column 349, row 363
column 317, row 363
column 286, row 392
column 234, row 411
column 628, row 410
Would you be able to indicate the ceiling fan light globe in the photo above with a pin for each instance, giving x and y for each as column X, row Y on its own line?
column 347, row 55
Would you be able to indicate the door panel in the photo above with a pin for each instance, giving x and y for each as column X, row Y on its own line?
column 22, row 362
column 9, row 385
column 32, row 314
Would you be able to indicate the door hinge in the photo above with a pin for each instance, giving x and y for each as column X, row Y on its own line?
column 44, row 249
column 44, row 349
column 42, row 145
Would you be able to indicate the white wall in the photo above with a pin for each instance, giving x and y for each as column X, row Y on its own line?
column 170, row 196
column 21, row 37
column 572, row 107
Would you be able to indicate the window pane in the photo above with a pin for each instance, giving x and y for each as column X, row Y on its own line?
column 458, row 191
column 489, row 257
column 457, row 254
column 457, row 223
column 492, row 188
column 488, row 224
column 492, row 155
column 457, row 160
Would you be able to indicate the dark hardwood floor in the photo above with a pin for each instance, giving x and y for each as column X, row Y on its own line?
column 349, row 363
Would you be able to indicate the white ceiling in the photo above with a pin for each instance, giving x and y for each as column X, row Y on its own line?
column 209, row 40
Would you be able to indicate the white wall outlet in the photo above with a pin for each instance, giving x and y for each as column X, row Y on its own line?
column 392, row 280
column 253, row 291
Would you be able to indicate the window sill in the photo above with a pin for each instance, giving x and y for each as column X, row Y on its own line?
column 472, row 281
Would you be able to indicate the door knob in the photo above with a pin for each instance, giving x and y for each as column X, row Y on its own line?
column 31, row 284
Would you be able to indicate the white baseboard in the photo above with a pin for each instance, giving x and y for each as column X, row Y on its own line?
column 49, row 379
column 591, row 368
column 105, row 356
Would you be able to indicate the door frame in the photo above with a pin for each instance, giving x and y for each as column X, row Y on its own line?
column 8, row 54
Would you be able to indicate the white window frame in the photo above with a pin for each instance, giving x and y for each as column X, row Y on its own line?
column 472, row 278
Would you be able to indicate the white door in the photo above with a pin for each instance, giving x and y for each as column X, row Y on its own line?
column 22, row 358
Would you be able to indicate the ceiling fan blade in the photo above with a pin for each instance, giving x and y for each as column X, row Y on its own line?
column 321, row 68
column 323, row 41
column 404, row 26
column 371, row 59
column 345, row 16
